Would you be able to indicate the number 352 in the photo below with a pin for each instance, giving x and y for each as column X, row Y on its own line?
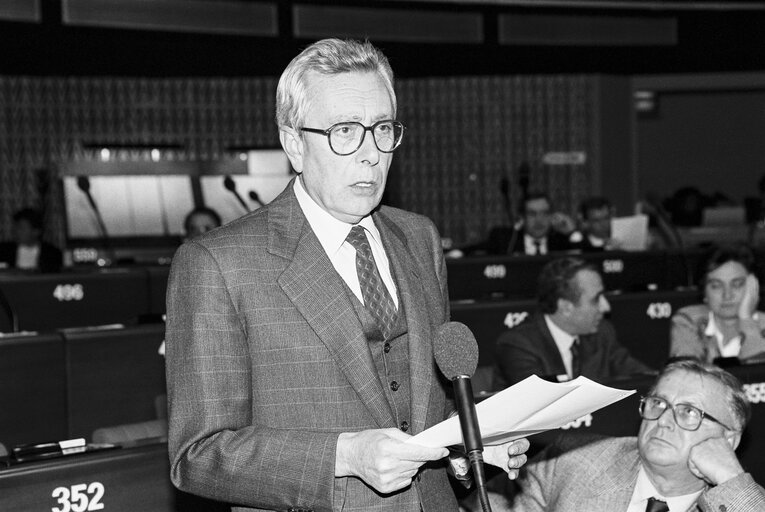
column 79, row 497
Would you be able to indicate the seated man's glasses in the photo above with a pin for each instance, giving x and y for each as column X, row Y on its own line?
column 687, row 417
column 347, row 138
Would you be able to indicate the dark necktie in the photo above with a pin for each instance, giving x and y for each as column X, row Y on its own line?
column 537, row 247
column 655, row 505
column 377, row 300
column 576, row 363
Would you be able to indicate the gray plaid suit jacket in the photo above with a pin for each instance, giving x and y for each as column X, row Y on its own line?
column 267, row 362
column 601, row 476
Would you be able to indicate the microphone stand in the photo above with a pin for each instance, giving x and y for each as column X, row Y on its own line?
column 230, row 185
column 471, row 435
column 9, row 311
column 84, row 184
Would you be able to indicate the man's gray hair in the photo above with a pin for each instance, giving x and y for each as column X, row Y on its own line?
column 738, row 404
column 326, row 57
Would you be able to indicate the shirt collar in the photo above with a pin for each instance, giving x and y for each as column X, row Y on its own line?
column 644, row 489
column 563, row 339
column 330, row 231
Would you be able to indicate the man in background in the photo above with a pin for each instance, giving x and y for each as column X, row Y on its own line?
column 683, row 458
column 569, row 337
column 595, row 214
column 27, row 250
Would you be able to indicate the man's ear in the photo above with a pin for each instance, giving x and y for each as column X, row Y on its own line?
column 293, row 147
column 565, row 306
column 733, row 438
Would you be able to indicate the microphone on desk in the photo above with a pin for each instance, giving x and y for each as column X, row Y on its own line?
column 255, row 198
column 230, row 185
column 456, row 352
column 83, row 183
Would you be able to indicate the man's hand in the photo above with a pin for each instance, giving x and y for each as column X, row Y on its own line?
column 509, row 456
column 381, row 458
column 562, row 223
column 748, row 304
column 714, row 461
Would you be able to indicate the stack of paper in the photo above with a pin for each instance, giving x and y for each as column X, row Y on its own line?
column 529, row 407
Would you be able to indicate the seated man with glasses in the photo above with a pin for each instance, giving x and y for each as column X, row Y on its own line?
column 681, row 460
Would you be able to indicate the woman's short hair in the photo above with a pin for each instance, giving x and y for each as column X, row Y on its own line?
column 736, row 399
column 737, row 253
column 326, row 57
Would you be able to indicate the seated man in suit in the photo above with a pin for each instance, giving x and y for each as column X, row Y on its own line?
column 595, row 215
column 569, row 338
column 27, row 251
column 540, row 232
column 683, row 458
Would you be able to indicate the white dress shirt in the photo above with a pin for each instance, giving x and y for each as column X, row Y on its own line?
column 564, row 341
column 530, row 245
column 332, row 233
column 644, row 489
column 730, row 349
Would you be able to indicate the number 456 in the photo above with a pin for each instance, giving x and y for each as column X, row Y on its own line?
column 79, row 497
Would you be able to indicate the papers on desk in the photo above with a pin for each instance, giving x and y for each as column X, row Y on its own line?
column 529, row 407
column 630, row 233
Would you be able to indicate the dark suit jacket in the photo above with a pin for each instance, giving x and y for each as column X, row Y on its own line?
column 601, row 476
column 530, row 349
column 267, row 362
column 49, row 260
column 499, row 239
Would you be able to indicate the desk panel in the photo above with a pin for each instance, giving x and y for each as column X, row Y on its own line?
column 32, row 389
column 127, row 479
column 50, row 301
column 114, row 376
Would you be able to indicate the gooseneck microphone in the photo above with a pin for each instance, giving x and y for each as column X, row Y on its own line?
column 230, row 185
column 456, row 353
column 255, row 198
column 83, row 183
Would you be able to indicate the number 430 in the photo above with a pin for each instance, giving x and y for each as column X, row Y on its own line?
column 79, row 497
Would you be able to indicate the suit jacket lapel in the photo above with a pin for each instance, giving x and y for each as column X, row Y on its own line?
column 318, row 292
column 613, row 489
column 412, row 298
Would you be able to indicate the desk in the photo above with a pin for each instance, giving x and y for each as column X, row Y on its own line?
column 32, row 389
column 50, row 301
column 126, row 479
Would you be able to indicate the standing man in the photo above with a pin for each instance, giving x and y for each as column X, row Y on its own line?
column 683, row 458
column 300, row 336
column 570, row 337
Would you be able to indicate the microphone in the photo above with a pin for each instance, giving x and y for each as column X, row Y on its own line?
column 255, row 198
column 230, row 185
column 456, row 352
column 83, row 183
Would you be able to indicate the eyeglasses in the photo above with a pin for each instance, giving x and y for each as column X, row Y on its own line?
column 347, row 138
column 687, row 417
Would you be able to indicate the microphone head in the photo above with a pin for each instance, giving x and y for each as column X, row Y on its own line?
column 254, row 196
column 455, row 350
column 83, row 183
column 229, row 183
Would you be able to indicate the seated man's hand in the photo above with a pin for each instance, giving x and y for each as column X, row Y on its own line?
column 714, row 461
column 562, row 223
column 381, row 458
column 509, row 456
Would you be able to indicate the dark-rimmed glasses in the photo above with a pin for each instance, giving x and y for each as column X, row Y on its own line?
column 346, row 138
column 687, row 416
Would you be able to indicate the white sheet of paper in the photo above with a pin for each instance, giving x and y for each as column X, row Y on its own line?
column 631, row 232
column 531, row 406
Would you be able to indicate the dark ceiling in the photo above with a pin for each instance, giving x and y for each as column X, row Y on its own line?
column 706, row 39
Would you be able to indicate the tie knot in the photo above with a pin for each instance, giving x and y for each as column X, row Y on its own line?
column 358, row 239
column 656, row 505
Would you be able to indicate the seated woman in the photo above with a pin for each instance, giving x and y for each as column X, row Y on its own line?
column 728, row 323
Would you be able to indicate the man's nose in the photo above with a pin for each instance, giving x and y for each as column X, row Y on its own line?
column 368, row 151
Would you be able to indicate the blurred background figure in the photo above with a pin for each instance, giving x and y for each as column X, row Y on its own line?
column 27, row 251
column 727, row 324
column 595, row 214
column 200, row 220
